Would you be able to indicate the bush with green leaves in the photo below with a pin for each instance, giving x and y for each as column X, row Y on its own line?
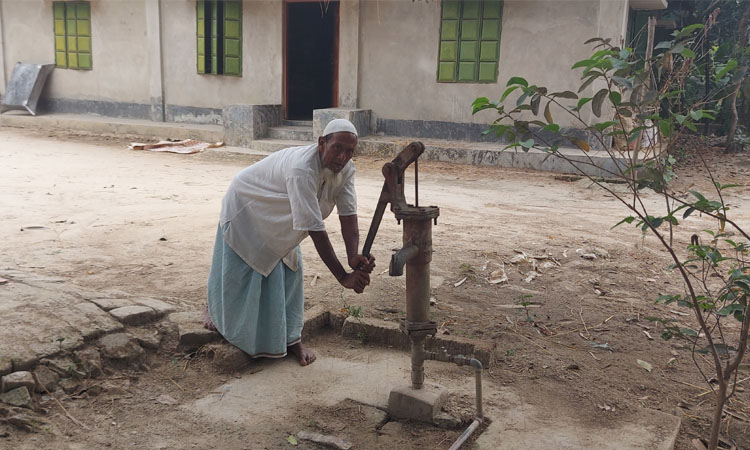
column 636, row 113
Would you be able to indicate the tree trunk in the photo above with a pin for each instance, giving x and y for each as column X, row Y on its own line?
column 646, row 86
column 731, row 145
column 707, row 80
column 721, row 398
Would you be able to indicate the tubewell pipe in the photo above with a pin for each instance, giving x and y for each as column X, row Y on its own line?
column 461, row 360
column 465, row 435
column 477, row 365
column 418, row 234
column 417, row 362
column 480, row 414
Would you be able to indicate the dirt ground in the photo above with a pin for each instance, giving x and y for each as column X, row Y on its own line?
column 144, row 223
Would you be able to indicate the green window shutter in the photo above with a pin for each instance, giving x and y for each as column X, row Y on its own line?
column 83, row 34
column 449, row 32
column 61, row 49
column 72, row 60
column 447, row 71
column 71, row 27
column 200, row 16
column 467, row 71
column 214, row 38
column 469, row 41
column 219, row 36
column 448, row 51
column 468, row 51
column 470, row 9
column 232, row 38
column 72, row 34
column 469, row 30
column 489, row 51
column 451, row 9
column 492, row 9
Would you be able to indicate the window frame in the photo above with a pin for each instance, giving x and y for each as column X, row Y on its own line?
column 77, row 38
column 476, row 43
column 212, row 42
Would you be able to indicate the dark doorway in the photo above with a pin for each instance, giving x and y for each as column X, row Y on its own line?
column 311, row 57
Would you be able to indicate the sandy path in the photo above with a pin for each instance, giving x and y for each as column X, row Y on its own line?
column 144, row 223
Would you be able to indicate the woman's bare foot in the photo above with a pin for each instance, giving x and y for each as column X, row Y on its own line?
column 304, row 355
column 207, row 322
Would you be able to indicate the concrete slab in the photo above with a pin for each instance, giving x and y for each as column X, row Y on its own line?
column 109, row 304
column 161, row 307
column 42, row 318
column 89, row 321
column 134, row 315
column 113, row 125
column 275, row 392
column 423, row 404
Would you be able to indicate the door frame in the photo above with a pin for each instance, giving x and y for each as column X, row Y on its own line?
column 284, row 28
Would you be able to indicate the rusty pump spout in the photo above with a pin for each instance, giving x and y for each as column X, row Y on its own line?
column 416, row 253
column 399, row 259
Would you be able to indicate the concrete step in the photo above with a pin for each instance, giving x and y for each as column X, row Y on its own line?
column 273, row 145
column 114, row 126
column 297, row 123
column 457, row 152
column 493, row 154
column 291, row 133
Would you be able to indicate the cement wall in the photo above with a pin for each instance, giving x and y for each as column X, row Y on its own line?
column 260, row 82
column 118, row 30
column 144, row 57
column 155, row 75
column 540, row 40
column 2, row 54
column 348, row 53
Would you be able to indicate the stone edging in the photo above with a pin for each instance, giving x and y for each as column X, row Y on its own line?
column 388, row 334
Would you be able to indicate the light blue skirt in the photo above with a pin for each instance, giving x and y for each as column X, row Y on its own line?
column 260, row 315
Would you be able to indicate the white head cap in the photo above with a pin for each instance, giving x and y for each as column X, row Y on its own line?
column 339, row 125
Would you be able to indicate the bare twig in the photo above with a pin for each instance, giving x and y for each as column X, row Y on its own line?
column 67, row 414
column 580, row 314
column 176, row 384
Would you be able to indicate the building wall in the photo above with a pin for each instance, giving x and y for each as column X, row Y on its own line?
column 3, row 77
column 540, row 40
column 144, row 59
column 261, row 60
column 118, row 41
column 348, row 52
column 144, row 54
